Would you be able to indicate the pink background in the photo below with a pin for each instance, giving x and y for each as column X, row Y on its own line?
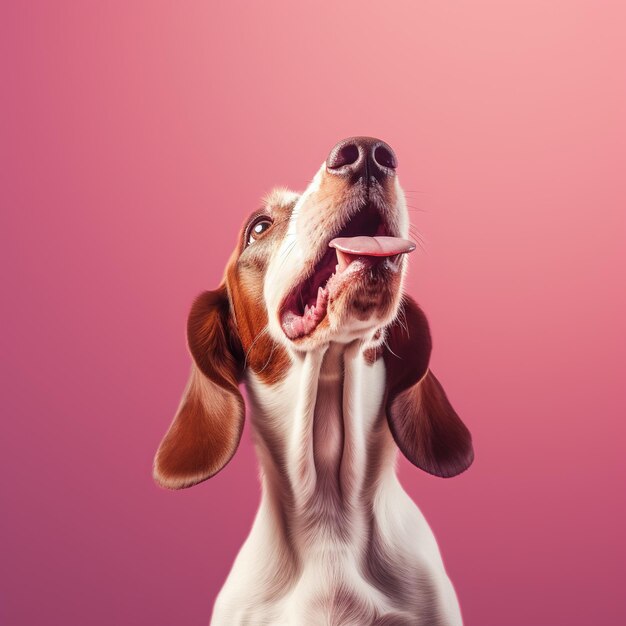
column 134, row 139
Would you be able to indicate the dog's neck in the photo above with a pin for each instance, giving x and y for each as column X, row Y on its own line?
column 323, row 444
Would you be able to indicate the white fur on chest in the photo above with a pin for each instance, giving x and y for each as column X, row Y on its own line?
column 332, row 529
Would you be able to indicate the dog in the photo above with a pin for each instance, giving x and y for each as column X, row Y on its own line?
column 312, row 318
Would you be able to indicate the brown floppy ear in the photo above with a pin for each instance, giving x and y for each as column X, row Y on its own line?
column 422, row 421
column 207, row 427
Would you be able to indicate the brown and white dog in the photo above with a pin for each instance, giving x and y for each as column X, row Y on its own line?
column 311, row 317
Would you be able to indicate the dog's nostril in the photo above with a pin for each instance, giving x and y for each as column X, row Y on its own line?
column 383, row 155
column 345, row 155
column 362, row 157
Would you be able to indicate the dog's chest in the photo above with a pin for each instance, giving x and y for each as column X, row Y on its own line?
column 332, row 590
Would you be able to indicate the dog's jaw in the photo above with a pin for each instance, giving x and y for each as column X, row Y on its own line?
column 347, row 296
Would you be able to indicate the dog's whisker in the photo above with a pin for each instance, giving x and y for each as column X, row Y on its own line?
column 284, row 256
column 269, row 358
column 419, row 239
column 403, row 321
column 386, row 343
column 263, row 331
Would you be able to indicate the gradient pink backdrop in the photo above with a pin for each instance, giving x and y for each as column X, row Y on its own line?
column 136, row 136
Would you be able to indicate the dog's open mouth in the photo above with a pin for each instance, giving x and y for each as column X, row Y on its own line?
column 362, row 244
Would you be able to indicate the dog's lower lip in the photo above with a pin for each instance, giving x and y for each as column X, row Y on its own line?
column 296, row 326
column 352, row 254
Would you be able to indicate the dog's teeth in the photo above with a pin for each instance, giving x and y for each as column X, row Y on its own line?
column 306, row 309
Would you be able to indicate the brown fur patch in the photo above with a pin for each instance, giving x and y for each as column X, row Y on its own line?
column 371, row 355
column 203, row 436
column 207, row 427
column 245, row 279
column 262, row 354
column 422, row 421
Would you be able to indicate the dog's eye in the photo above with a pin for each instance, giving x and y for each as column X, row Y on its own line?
column 257, row 228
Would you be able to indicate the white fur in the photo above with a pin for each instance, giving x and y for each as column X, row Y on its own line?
column 252, row 593
column 288, row 261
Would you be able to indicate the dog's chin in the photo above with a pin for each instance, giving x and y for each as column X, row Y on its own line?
column 365, row 301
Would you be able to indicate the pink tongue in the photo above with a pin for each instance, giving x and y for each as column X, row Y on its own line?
column 372, row 246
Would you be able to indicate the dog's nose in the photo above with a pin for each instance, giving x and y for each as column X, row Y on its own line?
column 358, row 156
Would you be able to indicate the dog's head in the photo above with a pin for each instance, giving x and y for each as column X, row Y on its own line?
column 323, row 266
